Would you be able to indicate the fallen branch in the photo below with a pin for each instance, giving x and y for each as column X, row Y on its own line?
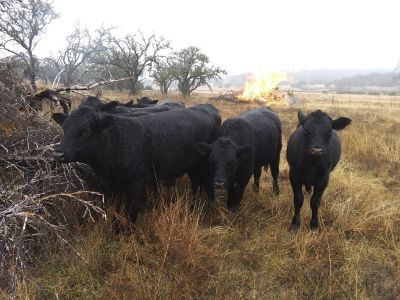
column 91, row 85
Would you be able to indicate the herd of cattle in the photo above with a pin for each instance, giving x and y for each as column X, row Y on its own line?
column 131, row 146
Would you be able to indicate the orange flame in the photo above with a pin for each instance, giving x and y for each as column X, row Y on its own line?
column 260, row 87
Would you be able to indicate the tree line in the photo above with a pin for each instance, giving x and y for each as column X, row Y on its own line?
column 89, row 57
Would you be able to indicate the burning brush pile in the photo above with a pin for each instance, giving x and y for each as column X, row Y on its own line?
column 39, row 199
column 262, row 88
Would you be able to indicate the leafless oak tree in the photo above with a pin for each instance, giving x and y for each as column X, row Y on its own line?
column 21, row 24
column 134, row 54
column 74, row 59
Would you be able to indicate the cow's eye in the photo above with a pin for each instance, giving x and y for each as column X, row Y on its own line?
column 85, row 133
column 231, row 164
column 327, row 134
column 306, row 132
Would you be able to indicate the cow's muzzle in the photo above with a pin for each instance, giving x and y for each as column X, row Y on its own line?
column 59, row 155
column 316, row 151
column 219, row 184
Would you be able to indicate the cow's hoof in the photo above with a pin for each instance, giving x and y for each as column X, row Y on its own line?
column 314, row 226
column 276, row 191
column 294, row 227
column 256, row 189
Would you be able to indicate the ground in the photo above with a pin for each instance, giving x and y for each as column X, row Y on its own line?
column 179, row 249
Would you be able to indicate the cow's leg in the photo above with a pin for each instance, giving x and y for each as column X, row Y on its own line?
column 195, row 182
column 136, row 200
column 298, row 199
column 275, row 174
column 257, row 175
column 314, row 203
column 210, row 191
column 236, row 195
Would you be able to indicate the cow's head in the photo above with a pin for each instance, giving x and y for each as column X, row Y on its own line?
column 317, row 129
column 224, row 157
column 92, row 102
column 81, row 134
column 146, row 101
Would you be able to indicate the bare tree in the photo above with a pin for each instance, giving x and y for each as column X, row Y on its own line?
column 21, row 24
column 163, row 75
column 134, row 54
column 73, row 60
column 46, row 70
column 191, row 70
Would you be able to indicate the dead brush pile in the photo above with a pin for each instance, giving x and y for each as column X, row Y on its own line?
column 39, row 198
column 12, row 93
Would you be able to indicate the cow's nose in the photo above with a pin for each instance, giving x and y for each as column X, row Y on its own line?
column 317, row 150
column 59, row 155
column 219, row 184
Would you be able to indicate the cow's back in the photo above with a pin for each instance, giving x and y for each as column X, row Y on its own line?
column 171, row 136
column 267, row 130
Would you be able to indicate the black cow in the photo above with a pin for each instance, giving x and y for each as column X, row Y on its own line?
column 113, row 107
column 95, row 102
column 244, row 145
column 313, row 151
column 140, row 103
column 116, row 107
column 145, row 101
column 131, row 153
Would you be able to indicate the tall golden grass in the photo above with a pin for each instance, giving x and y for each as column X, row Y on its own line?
column 184, row 249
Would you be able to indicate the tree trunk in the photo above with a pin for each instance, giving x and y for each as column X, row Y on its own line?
column 132, row 85
column 32, row 72
column 184, row 88
column 164, row 88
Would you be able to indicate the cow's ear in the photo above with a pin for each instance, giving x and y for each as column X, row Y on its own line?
column 245, row 152
column 59, row 118
column 154, row 101
column 137, row 100
column 340, row 123
column 301, row 116
column 109, row 106
column 102, row 122
column 129, row 104
column 202, row 148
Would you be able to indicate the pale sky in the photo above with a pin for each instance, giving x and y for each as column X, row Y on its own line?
column 251, row 35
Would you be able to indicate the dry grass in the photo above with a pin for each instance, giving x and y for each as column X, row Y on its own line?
column 179, row 249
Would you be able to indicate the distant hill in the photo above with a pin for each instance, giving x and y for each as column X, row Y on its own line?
column 334, row 78
column 390, row 79
column 322, row 76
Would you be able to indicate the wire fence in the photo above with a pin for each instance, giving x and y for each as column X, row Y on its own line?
column 319, row 98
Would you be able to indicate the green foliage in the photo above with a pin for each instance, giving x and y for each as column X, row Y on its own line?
column 190, row 68
column 163, row 75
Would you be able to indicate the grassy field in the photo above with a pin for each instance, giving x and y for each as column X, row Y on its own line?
column 182, row 250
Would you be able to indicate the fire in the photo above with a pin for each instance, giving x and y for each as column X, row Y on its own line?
column 260, row 87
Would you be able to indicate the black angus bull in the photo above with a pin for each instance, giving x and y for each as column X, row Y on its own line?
column 244, row 145
column 132, row 153
column 313, row 151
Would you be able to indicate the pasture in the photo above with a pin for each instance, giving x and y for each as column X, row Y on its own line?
column 179, row 249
